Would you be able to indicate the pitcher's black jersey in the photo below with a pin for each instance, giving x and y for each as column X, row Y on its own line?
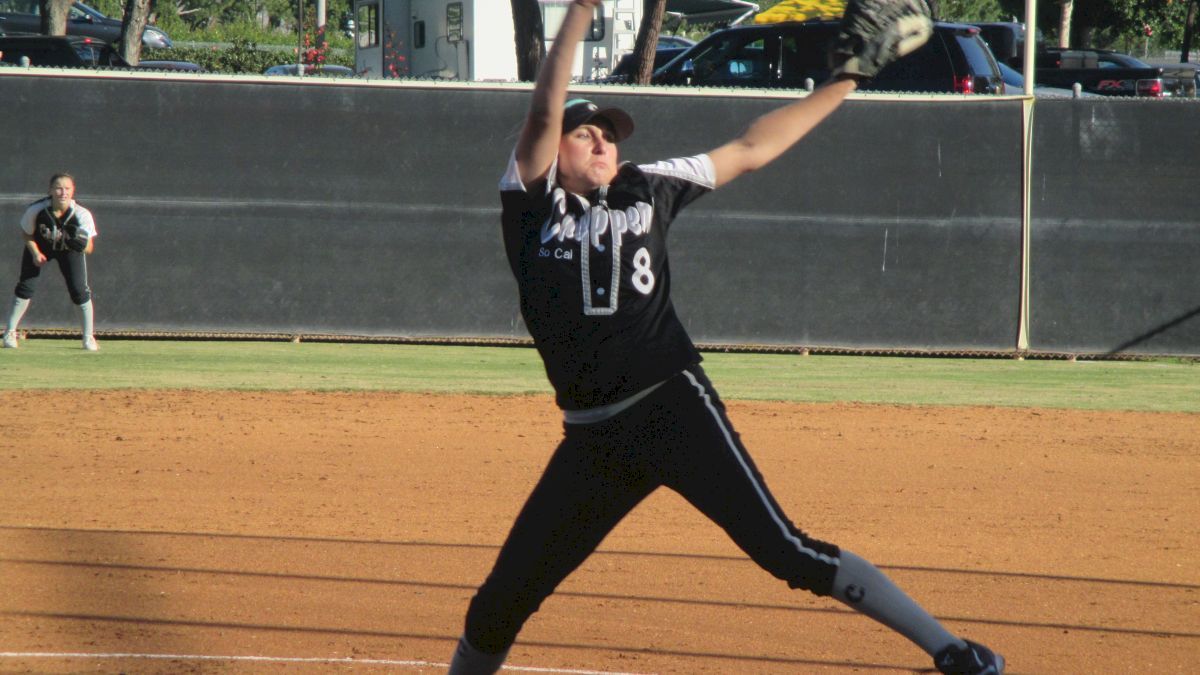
column 594, row 278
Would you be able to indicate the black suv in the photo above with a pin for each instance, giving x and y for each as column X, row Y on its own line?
column 784, row 55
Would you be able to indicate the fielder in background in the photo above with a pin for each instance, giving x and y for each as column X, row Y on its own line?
column 586, row 240
column 55, row 228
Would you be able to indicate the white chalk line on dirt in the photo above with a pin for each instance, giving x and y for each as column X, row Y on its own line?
column 288, row 659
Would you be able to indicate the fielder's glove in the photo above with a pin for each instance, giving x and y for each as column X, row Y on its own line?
column 76, row 239
column 876, row 32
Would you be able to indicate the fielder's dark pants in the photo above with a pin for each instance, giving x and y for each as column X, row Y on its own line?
column 71, row 264
column 678, row 436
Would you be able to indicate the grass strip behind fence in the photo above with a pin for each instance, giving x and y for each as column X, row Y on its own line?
column 1166, row 385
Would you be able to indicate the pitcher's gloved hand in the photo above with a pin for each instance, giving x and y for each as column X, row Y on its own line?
column 876, row 32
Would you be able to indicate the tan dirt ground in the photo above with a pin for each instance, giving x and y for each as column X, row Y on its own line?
column 356, row 526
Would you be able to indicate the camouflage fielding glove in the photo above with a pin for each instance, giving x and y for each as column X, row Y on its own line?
column 876, row 32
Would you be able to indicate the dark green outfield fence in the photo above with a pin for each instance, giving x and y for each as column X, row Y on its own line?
column 371, row 209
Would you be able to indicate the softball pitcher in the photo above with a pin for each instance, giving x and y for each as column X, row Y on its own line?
column 586, row 239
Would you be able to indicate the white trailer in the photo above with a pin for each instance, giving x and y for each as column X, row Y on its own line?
column 614, row 31
column 436, row 39
column 474, row 39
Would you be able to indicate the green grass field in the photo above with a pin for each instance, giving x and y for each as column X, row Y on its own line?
column 1169, row 385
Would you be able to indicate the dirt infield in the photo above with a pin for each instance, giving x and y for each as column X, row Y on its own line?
column 225, row 532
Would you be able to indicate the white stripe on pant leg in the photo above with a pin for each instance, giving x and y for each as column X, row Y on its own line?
column 87, row 289
column 775, row 515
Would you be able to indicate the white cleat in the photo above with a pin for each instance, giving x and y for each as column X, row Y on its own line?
column 89, row 343
column 10, row 340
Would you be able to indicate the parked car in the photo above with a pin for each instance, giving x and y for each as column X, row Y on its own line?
column 1014, row 83
column 1185, row 75
column 673, row 42
column 667, row 48
column 24, row 17
column 60, row 51
column 181, row 66
column 1100, row 72
column 784, row 55
column 1173, row 84
column 311, row 70
column 623, row 72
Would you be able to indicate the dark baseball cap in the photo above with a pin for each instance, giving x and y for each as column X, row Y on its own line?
column 580, row 111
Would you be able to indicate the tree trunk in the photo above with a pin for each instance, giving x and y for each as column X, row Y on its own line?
column 1189, row 31
column 132, row 25
column 647, row 40
column 1064, row 23
column 54, row 16
column 1085, row 37
column 531, row 43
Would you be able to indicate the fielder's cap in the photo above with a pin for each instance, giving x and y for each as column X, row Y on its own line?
column 580, row 111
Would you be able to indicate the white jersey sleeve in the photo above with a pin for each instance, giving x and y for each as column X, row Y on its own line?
column 28, row 218
column 511, row 180
column 86, row 221
column 698, row 169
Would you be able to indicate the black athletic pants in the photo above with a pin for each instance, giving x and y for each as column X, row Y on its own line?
column 678, row 436
column 72, row 265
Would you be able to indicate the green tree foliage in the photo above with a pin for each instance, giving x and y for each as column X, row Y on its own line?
column 242, row 57
column 973, row 11
column 240, row 36
column 255, row 20
column 1122, row 23
column 1115, row 24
